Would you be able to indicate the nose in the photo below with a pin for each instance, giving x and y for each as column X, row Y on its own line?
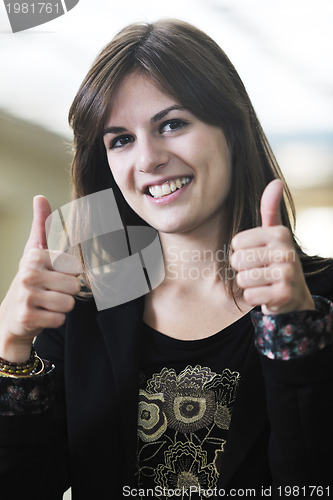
column 151, row 154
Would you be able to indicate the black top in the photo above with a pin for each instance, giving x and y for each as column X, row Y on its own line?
column 187, row 392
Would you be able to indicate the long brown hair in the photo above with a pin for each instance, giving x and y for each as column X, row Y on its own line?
column 187, row 64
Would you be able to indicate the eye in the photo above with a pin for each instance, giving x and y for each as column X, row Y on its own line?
column 171, row 125
column 121, row 141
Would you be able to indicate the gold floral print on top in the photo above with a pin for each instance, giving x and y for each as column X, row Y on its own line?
column 182, row 427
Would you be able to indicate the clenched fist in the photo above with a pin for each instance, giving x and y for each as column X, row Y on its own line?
column 269, row 269
column 40, row 294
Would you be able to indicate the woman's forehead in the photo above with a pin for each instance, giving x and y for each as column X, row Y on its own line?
column 139, row 96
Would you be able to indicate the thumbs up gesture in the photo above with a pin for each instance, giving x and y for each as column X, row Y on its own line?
column 269, row 269
column 40, row 295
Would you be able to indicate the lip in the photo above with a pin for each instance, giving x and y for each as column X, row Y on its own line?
column 170, row 197
column 159, row 182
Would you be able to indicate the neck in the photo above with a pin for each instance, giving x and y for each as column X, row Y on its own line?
column 196, row 260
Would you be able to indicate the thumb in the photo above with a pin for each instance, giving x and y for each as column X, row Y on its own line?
column 37, row 237
column 270, row 204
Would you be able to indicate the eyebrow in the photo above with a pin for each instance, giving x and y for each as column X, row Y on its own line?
column 164, row 112
column 154, row 119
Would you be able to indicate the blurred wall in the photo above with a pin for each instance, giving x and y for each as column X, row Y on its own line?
column 307, row 162
column 32, row 161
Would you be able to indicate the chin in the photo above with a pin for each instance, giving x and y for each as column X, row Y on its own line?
column 175, row 227
column 166, row 228
column 168, row 222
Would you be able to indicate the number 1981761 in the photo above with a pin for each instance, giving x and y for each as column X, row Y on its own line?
column 33, row 8
column 304, row 491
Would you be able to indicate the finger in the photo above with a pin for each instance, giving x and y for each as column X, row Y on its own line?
column 249, row 258
column 50, row 280
column 37, row 237
column 270, row 204
column 37, row 260
column 47, row 319
column 250, row 238
column 66, row 263
column 63, row 283
column 259, row 276
column 274, row 298
column 257, row 295
column 275, row 237
column 53, row 301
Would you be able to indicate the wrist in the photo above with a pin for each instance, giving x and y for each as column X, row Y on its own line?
column 15, row 350
column 308, row 303
column 291, row 335
column 34, row 366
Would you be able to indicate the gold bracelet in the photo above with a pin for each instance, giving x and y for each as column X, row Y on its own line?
column 18, row 368
column 32, row 373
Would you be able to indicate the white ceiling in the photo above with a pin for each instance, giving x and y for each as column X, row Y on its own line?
column 282, row 50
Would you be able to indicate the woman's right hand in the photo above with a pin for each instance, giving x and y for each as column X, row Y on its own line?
column 41, row 293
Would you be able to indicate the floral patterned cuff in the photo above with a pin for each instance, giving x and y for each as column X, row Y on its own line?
column 27, row 396
column 296, row 334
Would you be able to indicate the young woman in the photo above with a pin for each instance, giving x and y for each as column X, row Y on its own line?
column 219, row 381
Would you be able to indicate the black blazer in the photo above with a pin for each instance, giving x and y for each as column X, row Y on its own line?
column 281, row 431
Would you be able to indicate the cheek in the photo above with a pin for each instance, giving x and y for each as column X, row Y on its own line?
column 215, row 159
column 119, row 174
column 222, row 157
column 219, row 173
column 126, row 185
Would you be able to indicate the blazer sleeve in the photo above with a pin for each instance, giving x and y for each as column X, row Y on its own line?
column 33, row 441
column 299, row 389
column 300, row 410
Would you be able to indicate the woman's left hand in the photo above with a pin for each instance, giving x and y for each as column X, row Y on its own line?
column 269, row 269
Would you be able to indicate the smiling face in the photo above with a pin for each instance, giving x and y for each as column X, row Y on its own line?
column 172, row 168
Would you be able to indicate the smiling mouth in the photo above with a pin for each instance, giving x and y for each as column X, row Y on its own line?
column 168, row 187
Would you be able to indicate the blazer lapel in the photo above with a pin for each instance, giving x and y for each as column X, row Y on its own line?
column 121, row 329
column 249, row 417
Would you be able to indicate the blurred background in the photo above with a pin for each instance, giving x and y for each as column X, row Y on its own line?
column 282, row 51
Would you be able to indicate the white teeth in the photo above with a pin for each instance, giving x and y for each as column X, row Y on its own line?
column 157, row 191
column 166, row 188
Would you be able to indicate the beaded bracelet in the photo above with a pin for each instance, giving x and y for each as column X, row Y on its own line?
column 34, row 366
column 30, row 361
